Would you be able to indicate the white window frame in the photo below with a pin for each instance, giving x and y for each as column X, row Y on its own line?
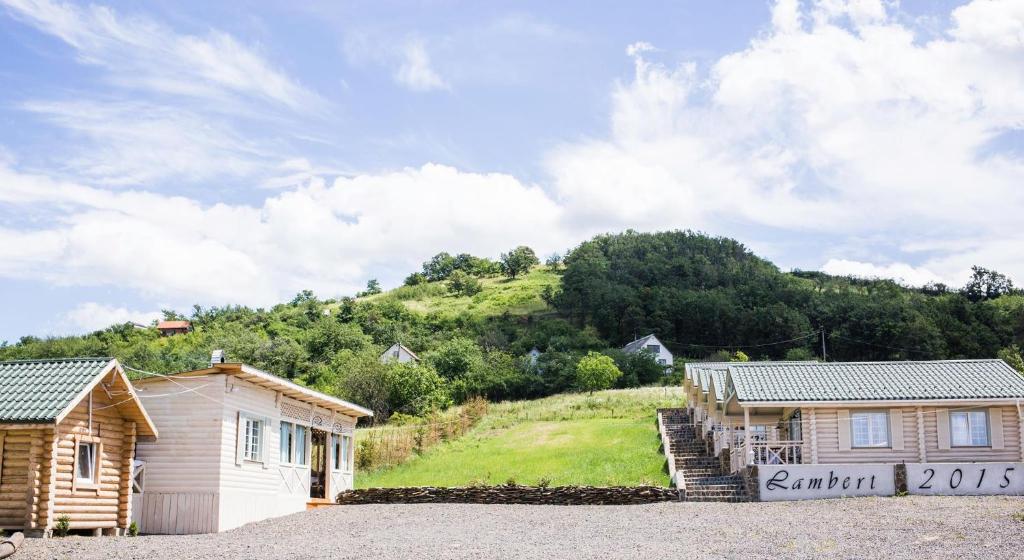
column 253, row 453
column 290, row 458
column 970, row 431
column 95, row 446
column 336, row 452
column 300, row 459
column 348, row 450
column 871, row 443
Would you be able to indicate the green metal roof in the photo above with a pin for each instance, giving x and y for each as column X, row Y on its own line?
column 881, row 381
column 39, row 390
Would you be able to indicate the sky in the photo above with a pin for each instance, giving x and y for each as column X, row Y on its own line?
column 163, row 154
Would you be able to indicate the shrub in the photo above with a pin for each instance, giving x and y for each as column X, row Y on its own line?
column 462, row 284
column 62, row 526
column 133, row 530
column 595, row 372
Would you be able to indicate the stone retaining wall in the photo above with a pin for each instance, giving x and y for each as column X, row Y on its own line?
column 510, row 494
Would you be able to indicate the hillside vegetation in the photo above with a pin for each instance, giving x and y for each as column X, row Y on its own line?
column 473, row 321
column 605, row 439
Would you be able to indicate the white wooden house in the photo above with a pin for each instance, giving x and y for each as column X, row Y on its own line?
column 398, row 353
column 651, row 344
column 238, row 445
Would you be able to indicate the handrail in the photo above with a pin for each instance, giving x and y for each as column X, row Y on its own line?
column 786, row 452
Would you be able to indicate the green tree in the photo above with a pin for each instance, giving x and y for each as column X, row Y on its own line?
column 455, row 358
column 415, row 279
column 1012, row 355
column 595, row 372
column 986, row 284
column 462, row 284
column 439, row 267
column 518, row 261
column 372, row 287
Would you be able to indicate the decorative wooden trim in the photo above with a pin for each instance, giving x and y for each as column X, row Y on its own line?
column 995, row 428
column 814, row 436
column 896, row 428
column 942, row 427
column 843, row 418
column 2, row 436
column 922, row 447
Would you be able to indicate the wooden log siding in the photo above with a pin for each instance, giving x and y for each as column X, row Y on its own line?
column 103, row 506
column 14, row 478
column 941, row 450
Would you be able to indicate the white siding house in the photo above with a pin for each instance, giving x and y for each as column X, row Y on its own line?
column 241, row 445
column 651, row 344
column 398, row 353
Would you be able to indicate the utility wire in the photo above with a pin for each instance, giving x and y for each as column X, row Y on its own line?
column 808, row 335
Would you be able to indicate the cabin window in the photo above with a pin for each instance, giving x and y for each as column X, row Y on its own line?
column 85, row 473
column 337, row 447
column 654, row 348
column 870, row 429
column 253, row 450
column 287, row 442
column 346, row 449
column 969, row 429
column 300, row 445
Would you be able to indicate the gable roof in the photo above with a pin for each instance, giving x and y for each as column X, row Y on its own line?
column 402, row 347
column 44, row 391
column 173, row 325
column 718, row 382
column 640, row 343
column 875, row 381
column 272, row 382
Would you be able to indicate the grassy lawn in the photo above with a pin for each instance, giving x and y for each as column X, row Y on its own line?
column 606, row 439
column 500, row 295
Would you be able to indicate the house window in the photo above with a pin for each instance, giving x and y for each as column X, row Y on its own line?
column 253, row 441
column 338, row 459
column 346, row 449
column 300, row 445
column 654, row 348
column 969, row 429
column 870, row 429
column 287, row 442
column 85, row 473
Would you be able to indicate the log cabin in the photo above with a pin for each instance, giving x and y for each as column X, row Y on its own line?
column 67, row 437
column 239, row 445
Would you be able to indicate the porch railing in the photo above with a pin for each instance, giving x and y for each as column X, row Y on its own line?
column 777, row 452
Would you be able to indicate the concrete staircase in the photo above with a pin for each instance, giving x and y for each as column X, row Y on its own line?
column 699, row 474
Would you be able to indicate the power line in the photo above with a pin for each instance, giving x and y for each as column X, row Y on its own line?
column 926, row 352
column 805, row 336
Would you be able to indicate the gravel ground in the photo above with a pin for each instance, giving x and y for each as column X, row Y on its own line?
column 912, row 527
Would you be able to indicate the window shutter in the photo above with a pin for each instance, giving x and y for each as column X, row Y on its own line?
column 266, row 442
column 844, row 429
column 995, row 427
column 240, row 437
column 896, row 428
column 942, row 426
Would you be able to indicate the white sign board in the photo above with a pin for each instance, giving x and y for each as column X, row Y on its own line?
column 965, row 479
column 813, row 482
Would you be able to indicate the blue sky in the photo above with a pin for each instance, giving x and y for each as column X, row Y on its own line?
column 159, row 155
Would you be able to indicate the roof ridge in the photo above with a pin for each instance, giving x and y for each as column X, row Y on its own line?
column 52, row 360
column 888, row 362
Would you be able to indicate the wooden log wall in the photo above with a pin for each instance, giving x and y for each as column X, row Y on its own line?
column 14, row 477
column 106, row 506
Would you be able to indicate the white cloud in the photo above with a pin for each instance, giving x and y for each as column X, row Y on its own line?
column 92, row 316
column 141, row 53
column 415, row 71
column 327, row 237
column 898, row 271
column 836, row 120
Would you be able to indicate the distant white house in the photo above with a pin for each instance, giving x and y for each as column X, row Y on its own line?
column 238, row 445
column 398, row 353
column 654, row 346
column 534, row 355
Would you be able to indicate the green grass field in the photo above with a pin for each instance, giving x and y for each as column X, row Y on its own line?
column 499, row 295
column 607, row 439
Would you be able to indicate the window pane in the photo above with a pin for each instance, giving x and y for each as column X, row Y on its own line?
column 979, row 427
column 861, row 436
column 286, row 442
column 86, row 462
column 959, row 428
column 346, row 449
column 300, row 445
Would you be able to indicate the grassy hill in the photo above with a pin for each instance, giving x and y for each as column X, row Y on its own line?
column 605, row 439
column 500, row 295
